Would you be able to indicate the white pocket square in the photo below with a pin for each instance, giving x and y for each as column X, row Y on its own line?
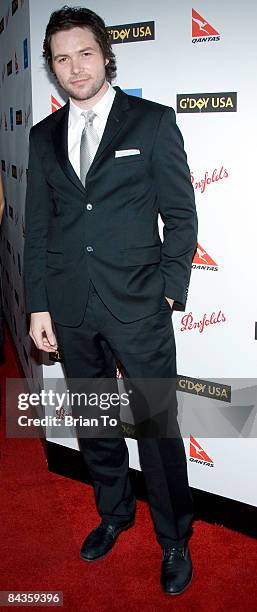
column 125, row 152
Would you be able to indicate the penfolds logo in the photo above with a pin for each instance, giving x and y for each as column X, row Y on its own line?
column 209, row 178
column 189, row 323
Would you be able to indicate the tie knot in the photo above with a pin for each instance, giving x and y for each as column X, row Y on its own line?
column 89, row 117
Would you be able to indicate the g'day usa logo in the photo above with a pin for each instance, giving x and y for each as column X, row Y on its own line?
column 132, row 32
column 222, row 102
column 202, row 31
column 204, row 388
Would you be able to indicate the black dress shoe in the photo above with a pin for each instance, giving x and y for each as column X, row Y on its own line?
column 101, row 540
column 176, row 570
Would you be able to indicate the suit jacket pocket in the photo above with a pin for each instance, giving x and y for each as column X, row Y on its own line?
column 128, row 159
column 54, row 260
column 141, row 255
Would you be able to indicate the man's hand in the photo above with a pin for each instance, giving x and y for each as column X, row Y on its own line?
column 171, row 302
column 41, row 331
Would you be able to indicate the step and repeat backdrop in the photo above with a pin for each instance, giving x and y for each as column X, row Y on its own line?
column 15, row 123
column 201, row 60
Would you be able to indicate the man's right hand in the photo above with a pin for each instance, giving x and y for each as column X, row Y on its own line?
column 41, row 331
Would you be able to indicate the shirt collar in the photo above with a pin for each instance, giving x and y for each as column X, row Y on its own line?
column 101, row 108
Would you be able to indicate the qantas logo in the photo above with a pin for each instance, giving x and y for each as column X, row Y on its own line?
column 55, row 104
column 202, row 31
column 198, row 454
column 203, row 261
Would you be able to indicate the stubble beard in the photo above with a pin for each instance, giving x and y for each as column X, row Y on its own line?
column 91, row 93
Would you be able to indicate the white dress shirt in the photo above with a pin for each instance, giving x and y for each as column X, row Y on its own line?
column 76, row 124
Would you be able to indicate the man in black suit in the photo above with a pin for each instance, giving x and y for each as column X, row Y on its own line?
column 99, row 282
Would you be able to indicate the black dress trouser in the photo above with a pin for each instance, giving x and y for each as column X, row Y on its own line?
column 146, row 349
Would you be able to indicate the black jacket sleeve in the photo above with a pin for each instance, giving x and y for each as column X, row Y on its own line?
column 36, row 229
column 176, row 207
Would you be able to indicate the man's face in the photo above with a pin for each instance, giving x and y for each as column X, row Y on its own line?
column 78, row 64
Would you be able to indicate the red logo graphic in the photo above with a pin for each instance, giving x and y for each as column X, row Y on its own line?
column 209, row 178
column 202, row 31
column 188, row 322
column 197, row 452
column 55, row 104
column 203, row 261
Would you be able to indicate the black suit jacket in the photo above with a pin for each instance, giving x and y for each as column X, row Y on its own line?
column 115, row 241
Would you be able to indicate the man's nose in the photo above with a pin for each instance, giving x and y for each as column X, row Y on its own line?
column 76, row 66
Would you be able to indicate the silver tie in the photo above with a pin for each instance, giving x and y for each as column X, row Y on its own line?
column 88, row 144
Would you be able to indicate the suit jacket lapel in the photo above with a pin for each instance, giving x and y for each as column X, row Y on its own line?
column 115, row 122
column 60, row 138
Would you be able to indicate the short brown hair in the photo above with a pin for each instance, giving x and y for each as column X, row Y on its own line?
column 70, row 17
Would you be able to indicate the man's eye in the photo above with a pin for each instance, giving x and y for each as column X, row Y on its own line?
column 62, row 59
column 87, row 53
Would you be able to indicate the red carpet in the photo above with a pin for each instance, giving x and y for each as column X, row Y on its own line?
column 44, row 519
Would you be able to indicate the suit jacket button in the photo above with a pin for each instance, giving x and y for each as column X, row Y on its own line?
column 89, row 206
column 90, row 249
